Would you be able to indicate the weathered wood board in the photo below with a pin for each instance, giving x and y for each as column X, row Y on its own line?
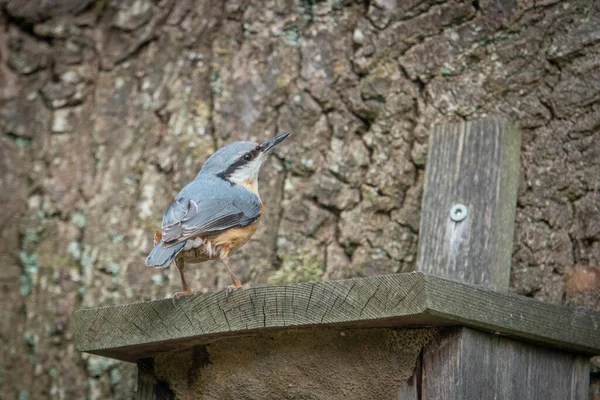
column 467, row 364
column 133, row 331
column 466, row 235
column 474, row 164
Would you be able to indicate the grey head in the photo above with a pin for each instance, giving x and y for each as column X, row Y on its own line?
column 240, row 162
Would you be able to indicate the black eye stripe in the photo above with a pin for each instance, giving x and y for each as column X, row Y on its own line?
column 240, row 162
column 251, row 155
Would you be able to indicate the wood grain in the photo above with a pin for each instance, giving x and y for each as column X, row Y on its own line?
column 466, row 364
column 474, row 163
column 134, row 331
column 512, row 315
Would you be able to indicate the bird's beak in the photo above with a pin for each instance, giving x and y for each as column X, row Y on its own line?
column 269, row 144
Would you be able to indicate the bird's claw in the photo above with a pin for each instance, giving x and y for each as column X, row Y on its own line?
column 230, row 289
column 179, row 295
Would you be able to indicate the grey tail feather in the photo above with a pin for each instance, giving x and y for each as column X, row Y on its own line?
column 161, row 257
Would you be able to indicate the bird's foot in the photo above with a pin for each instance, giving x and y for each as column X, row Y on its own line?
column 232, row 288
column 179, row 295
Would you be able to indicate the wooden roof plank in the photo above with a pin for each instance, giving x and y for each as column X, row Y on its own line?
column 133, row 331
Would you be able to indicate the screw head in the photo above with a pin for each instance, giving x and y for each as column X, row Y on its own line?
column 458, row 212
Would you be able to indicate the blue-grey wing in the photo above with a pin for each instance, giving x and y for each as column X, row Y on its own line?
column 177, row 213
column 187, row 219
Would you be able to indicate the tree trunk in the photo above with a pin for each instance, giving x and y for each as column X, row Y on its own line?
column 107, row 108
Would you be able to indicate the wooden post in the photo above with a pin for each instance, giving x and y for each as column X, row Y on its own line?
column 468, row 214
column 467, row 364
column 466, row 234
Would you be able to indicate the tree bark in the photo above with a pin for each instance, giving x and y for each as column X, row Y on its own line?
column 107, row 108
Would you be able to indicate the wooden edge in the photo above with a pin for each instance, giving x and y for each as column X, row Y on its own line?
column 139, row 330
column 134, row 331
column 133, row 353
column 514, row 316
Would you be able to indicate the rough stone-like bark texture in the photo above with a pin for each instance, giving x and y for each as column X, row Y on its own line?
column 107, row 108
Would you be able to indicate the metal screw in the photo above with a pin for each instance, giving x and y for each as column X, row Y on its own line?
column 458, row 212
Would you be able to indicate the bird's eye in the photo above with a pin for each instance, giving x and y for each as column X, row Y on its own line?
column 247, row 157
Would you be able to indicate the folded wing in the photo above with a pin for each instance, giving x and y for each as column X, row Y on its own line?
column 187, row 219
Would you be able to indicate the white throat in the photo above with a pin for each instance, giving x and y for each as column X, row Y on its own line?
column 247, row 176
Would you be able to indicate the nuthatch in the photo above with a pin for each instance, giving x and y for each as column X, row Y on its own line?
column 216, row 213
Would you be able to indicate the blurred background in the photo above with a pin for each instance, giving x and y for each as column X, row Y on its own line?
column 108, row 107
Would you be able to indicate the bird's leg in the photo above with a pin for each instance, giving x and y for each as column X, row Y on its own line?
column 235, row 282
column 186, row 289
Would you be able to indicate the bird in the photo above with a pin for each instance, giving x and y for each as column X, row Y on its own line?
column 216, row 213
